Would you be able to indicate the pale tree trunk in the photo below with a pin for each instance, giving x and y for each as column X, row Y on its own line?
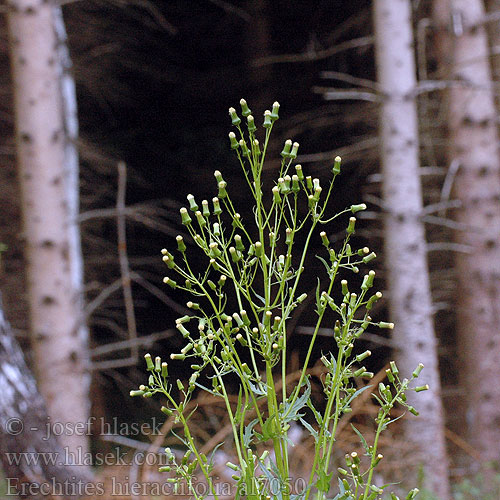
column 48, row 173
column 24, row 435
column 473, row 145
column 493, row 7
column 405, row 246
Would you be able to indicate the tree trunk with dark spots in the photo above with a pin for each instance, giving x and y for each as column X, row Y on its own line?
column 33, row 461
column 462, row 48
column 410, row 300
column 45, row 115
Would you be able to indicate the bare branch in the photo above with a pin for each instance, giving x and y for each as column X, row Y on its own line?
column 366, row 144
column 123, row 257
column 159, row 294
column 330, row 94
column 448, row 182
column 145, row 341
column 313, row 55
column 228, row 7
column 345, row 77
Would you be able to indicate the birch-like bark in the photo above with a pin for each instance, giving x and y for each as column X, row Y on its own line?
column 462, row 46
column 410, row 300
column 24, row 436
column 48, row 171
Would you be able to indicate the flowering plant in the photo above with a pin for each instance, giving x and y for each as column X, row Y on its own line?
column 258, row 266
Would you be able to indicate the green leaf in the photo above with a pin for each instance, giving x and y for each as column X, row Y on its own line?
column 356, row 394
column 316, row 413
column 362, row 439
column 324, row 481
column 291, row 413
column 247, row 435
column 310, row 428
column 256, row 390
column 327, row 266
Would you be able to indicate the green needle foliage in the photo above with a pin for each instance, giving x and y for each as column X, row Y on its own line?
column 258, row 266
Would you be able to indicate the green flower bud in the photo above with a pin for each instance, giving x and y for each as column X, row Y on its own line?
column 285, row 153
column 275, row 111
column 222, row 190
column 369, row 257
column 324, row 239
column 192, row 203
column 205, row 209
column 384, row 324
column 201, row 220
column 214, row 250
column 362, row 356
column 241, row 340
column 358, row 208
column 251, row 124
column 182, row 329
column 295, row 183
column 186, row 220
column 217, row 208
column 413, row 411
column 232, row 466
column 235, row 119
column 187, row 348
column 295, row 149
column 166, row 410
column 181, row 246
column 235, row 255
column 158, row 364
column 245, row 110
column 417, row 370
column 394, row 368
column 149, row 362
column 276, row 322
column 309, row 183
column 164, row 369
column 359, row 371
column 267, row 119
column 180, row 385
column 244, row 148
column 244, row 317
column 345, row 289
column 336, row 165
column 169, row 260
column 136, row 393
column 412, row 494
column 193, row 305
column 373, row 299
column 300, row 174
column 301, row 298
column 368, row 280
column 288, row 236
column 233, row 141
column 350, row 227
column 236, row 220
column 170, row 282
column 276, row 194
column 259, row 251
column 422, row 388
